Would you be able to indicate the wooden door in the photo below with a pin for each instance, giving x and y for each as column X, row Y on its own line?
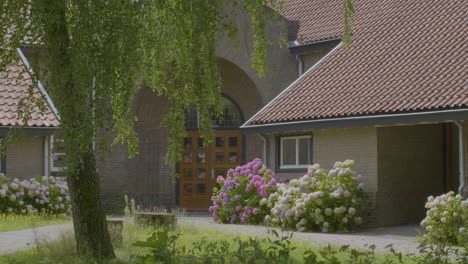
column 201, row 165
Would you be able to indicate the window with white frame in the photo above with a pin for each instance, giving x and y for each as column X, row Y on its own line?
column 294, row 152
column 58, row 153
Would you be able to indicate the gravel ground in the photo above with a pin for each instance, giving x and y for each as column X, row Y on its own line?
column 403, row 238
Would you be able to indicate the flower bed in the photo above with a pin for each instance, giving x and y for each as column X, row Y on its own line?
column 319, row 201
column 237, row 197
column 37, row 195
column 446, row 220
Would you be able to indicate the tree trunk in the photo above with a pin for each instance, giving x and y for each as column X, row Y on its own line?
column 90, row 225
column 91, row 233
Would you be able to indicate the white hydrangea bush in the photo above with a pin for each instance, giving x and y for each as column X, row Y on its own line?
column 44, row 194
column 321, row 200
column 446, row 220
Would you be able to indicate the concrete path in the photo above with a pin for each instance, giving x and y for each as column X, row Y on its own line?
column 403, row 238
column 13, row 241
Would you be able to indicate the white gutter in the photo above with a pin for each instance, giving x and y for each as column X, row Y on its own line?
column 355, row 118
column 461, row 156
column 39, row 84
column 292, row 84
column 300, row 65
column 46, row 156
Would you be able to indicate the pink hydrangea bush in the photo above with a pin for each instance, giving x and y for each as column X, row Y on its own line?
column 321, row 200
column 37, row 195
column 237, row 197
column 446, row 220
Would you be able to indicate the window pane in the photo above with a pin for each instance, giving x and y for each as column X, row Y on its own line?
column 233, row 141
column 201, row 173
column 187, row 173
column 220, row 141
column 187, row 157
column 201, row 157
column 201, row 188
column 187, row 188
column 220, row 172
column 219, row 157
column 200, row 143
column 289, row 151
column 188, row 142
column 304, row 150
column 233, row 157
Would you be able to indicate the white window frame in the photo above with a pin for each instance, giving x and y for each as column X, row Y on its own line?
column 297, row 166
column 53, row 154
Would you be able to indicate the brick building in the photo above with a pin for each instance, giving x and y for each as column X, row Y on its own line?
column 395, row 102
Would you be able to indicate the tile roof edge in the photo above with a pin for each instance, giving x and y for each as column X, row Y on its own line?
column 436, row 116
column 38, row 83
column 247, row 123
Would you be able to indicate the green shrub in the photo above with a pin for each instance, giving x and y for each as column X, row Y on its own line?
column 164, row 249
column 37, row 195
column 321, row 200
column 237, row 199
column 446, row 220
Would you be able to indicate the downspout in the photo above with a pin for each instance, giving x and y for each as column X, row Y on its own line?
column 461, row 156
column 46, row 156
column 300, row 65
column 265, row 157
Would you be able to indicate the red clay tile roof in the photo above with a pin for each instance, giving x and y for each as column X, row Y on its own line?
column 406, row 56
column 318, row 19
column 12, row 89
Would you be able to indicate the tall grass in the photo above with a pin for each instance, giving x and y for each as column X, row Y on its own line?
column 17, row 222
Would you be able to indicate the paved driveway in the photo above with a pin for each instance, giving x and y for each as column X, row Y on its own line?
column 12, row 241
column 403, row 238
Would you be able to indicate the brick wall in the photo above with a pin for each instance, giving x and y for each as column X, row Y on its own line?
column 25, row 157
column 331, row 145
column 410, row 168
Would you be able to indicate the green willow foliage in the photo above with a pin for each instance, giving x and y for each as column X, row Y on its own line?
column 95, row 54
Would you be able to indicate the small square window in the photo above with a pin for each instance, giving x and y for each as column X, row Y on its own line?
column 233, row 141
column 188, row 157
column 187, row 173
column 219, row 141
column 188, row 142
column 201, row 143
column 219, row 157
column 201, row 188
column 220, row 172
column 233, row 157
column 187, row 188
column 201, row 157
column 201, row 173
column 294, row 152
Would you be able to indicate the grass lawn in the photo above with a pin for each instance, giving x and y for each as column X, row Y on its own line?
column 15, row 222
column 64, row 250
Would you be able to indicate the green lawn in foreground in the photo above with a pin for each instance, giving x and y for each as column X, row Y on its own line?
column 18, row 222
column 64, row 250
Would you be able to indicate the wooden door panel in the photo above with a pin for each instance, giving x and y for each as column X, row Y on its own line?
column 201, row 165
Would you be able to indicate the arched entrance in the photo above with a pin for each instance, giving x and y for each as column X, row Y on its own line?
column 200, row 165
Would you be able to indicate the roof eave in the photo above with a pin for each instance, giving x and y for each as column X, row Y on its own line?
column 297, row 48
column 361, row 121
column 30, row 131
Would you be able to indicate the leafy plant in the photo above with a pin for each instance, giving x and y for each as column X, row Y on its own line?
column 446, row 220
column 237, row 198
column 37, row 195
